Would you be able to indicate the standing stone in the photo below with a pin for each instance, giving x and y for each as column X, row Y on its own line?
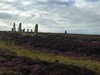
column 14, row 28
column 24, row 30
column 36, row 30
column 31, row 30
column 20, row 28
column 65, row 32
column 27, row 30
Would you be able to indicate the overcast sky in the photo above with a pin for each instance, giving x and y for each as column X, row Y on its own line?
column 75, row 16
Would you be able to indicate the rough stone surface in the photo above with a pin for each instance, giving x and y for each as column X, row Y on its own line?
column 36, row 30
column 20, row 28
column 14, row 28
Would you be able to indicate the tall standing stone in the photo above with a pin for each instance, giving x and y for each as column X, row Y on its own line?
column 27, row 30
column 20, row 28
column 36, row 30
column 65, row 32
column 31, row 30
column 14, row 28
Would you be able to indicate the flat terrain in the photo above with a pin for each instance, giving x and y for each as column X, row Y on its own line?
column 66, row 54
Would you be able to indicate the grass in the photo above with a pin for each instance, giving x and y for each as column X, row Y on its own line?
column 89, row 64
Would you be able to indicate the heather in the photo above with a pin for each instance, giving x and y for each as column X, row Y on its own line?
column 38, row 55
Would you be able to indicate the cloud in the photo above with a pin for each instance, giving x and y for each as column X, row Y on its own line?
column 79, row 16
column 4, row 15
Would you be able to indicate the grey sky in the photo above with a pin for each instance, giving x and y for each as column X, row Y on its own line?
column 75, row 16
